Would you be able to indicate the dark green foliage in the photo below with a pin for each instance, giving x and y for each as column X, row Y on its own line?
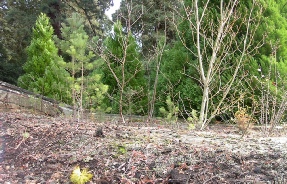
column 93, row 12
column 185, row 81
column 53, row 9
column 134, row 45
column 272, row 56
column 122, row 55
column 149, row 20
column 173, row 80
column 16, row 19
column 274, row 27
column 8, row 70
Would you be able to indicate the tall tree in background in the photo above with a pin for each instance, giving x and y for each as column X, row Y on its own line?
column 44, row 72
column 18, row 17
column 92, row 11
column 7, row 69
column 151, row 24
column 178, row 78
column 54, row 9
column 148, row 20
column 17, row 20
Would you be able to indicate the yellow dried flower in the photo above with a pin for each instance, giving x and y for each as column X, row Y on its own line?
column 80, row 177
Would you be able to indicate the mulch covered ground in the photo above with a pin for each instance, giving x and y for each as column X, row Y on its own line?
column 41, row 149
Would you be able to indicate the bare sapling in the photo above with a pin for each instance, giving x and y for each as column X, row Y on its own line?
column 218, row 50
column 158, row 58
column 273, row 101
column 120, row 74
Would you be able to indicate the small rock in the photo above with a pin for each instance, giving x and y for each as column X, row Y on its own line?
column 257, row 170
column 99, row 132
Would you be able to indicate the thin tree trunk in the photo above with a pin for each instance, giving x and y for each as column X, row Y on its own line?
column 82, row 89
column 121, row 105
column 204, row 103
column 123, row 81
column 151, row 111
column 73, row 87
column 201, row 68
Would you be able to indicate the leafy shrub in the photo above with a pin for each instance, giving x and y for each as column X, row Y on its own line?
column 171, row 113
column 192, row 119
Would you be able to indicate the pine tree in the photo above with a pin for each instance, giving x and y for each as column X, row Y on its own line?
column 87, row 88
column 265, row 87
column 44, row 72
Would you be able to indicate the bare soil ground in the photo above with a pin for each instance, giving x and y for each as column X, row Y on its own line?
column 42, row 149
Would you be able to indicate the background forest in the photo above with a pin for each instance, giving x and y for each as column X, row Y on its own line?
column 202, row 61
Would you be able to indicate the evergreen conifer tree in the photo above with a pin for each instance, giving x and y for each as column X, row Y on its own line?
column 44, row 72
column 87, row 90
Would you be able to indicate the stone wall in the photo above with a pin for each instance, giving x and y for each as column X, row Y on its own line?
column 11, row 95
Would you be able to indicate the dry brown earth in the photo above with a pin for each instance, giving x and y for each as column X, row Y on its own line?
column 42, row 149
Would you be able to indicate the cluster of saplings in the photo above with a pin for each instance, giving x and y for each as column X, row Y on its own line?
column 212, row 60
column 101, row 78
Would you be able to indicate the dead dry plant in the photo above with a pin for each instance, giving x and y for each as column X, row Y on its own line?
column 243, row 120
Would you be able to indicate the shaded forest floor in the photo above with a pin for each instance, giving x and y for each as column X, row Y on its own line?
column 42, row 149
